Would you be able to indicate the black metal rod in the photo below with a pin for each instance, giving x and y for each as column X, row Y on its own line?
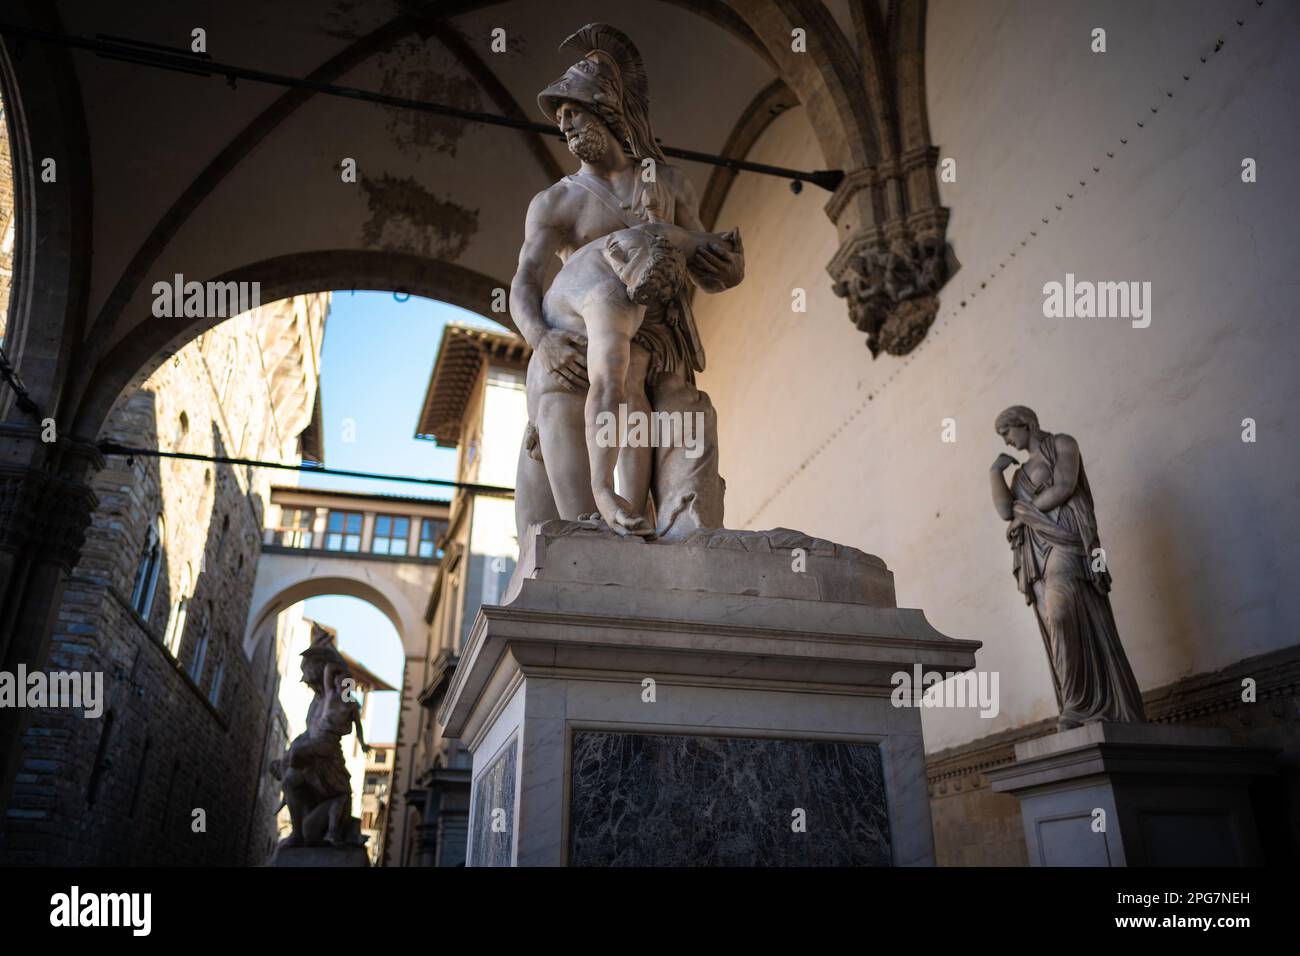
column 109, row 447
column 152, row 55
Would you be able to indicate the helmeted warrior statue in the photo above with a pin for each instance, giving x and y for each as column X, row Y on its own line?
column 601, row 105
column 314, row 775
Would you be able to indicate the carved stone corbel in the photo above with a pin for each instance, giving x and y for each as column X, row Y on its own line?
column 892, row 262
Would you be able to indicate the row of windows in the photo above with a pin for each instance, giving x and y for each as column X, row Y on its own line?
column 343, row 532
column 143, row 591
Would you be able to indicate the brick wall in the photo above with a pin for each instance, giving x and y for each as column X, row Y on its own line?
column 124, row 788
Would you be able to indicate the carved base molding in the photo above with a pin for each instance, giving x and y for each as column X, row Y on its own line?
column 1215, row 697
column 44, row 515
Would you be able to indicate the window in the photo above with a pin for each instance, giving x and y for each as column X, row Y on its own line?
column 201, row 649
column 214, row 695
column 176, row 621
column 139, row 775
column 182, row 429
column 102, row 762
column 221, row 538
column 430, row 531
column 294, row 529
column 381, row 756
column 343, row 531
column 146, row 573
column 391, row 534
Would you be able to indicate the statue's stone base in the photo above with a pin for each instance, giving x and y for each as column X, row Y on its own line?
column 1136, row 795
column 320, row 856
column 697, row 703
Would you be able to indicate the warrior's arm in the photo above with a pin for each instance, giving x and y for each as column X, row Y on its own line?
column 560, row 353
column 1065, row 476
column 714, row 267
column 542, row 239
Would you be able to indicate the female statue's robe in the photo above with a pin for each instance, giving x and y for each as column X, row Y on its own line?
column 1089, row 669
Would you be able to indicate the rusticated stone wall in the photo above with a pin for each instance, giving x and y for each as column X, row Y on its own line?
column 186, row 716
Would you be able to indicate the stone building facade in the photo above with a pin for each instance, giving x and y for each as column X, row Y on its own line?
column 475, row 402
column 158, row 604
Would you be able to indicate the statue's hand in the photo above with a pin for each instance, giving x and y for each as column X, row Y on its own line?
column 1004, row 461
column 564, row 356
column 715, row 267
column 621, row 517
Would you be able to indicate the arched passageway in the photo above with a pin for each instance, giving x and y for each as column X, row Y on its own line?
column 250, row 185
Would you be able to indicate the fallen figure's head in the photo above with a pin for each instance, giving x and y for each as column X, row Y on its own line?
column 651, row 259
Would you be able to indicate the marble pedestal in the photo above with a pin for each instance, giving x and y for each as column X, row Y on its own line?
column 1167, row 796
column 320, row 856
column 700, row 703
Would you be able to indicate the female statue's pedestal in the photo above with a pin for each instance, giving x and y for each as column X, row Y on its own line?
column 1108, row 789
column 1108, row 794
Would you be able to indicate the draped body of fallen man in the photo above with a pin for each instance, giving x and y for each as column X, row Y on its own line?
column 603, row 293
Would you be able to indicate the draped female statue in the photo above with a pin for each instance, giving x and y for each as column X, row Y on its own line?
column 1060, row 568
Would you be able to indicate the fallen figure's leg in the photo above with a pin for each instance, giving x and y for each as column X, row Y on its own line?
column 611, row 323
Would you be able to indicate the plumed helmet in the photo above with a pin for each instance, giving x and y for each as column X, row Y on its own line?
column 610, row 80
column 323, row 649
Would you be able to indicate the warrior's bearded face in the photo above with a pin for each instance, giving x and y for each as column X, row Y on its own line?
column 588, row 138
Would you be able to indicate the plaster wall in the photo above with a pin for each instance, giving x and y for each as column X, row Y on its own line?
column 1200, row 528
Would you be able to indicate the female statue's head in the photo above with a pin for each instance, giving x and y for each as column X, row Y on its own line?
column 1017, row 425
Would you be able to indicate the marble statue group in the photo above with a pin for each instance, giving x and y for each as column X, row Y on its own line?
column 614, row 335
column 615, row 329
column 312, row 772
column 616, row 325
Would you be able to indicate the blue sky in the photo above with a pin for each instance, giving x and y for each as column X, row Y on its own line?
column 375, row 365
